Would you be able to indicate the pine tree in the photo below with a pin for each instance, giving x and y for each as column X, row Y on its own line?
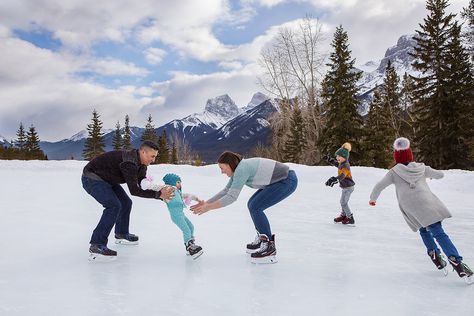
column 163, row 150
column 174, row 154
column 460, row 84
column 94, row 144
column 127, row 138
column 21, row 140
column 149, row 132
column 379, row 133
column 343, row 121
column 437, row 97
column 468, row 15
column 32, row 147
column 406, row 104
column 296, row 141
column 391, row 99
column 117, row 139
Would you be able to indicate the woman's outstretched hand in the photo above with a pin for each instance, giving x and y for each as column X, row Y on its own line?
column 200, row 208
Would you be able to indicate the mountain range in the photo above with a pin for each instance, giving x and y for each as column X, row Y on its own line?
column 223, row 125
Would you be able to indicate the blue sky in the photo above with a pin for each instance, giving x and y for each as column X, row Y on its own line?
column 61, row 60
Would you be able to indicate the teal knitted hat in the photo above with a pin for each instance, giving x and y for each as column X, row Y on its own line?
column 344, row 151
column 171, row 179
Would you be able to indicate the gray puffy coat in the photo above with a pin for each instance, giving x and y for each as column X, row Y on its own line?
column 419, row 206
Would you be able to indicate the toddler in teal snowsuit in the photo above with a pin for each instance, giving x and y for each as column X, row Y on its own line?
column 175, row 207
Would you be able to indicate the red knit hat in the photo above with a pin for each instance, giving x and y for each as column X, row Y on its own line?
column 401, row 150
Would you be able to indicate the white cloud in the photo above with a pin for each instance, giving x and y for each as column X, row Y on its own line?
column 230, row 65
column 375, row 25
column 154, row 56
column 265, row 3
column 39, row 87
column 109, row 67
column 240, row 85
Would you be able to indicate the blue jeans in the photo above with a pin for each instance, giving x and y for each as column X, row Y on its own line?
column 435, row 231
column 268, row 196
column 117, row 207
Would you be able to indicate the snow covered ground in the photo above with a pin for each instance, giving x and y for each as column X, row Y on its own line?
column 378, row 267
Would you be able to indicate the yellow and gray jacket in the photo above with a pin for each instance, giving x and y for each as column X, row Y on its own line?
column 343, row 173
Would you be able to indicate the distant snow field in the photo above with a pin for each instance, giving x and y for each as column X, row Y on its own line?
column 379, row 267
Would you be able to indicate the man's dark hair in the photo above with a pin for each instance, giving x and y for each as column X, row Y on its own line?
column 230, row 158
column 149, row 144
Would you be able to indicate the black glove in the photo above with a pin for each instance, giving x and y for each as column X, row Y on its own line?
column 331, row 181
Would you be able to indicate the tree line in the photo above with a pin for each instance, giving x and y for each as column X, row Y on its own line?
column 318, row 113
column 171, row 149
column 25, row 147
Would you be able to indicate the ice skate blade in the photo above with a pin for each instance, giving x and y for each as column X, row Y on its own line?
column 445, row 271
column 125, row 242
column 469, row 279
column 349, row 225
column 95, row 257
column 264, row 260
column 196, row 255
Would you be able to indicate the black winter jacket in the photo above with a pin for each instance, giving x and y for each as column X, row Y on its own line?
column 120, row 166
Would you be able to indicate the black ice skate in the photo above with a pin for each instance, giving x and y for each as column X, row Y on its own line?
column 340, row 218
column 462, row 269
column 101, row 253
column 267, row 251
column 193, row 250
column 438, row 261
column 348, row 221
column 126, row 239
column 254, row 245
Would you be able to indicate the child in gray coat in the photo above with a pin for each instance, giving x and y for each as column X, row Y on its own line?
column 421, row 209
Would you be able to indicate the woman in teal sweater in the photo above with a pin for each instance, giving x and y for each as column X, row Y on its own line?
column 274, row 181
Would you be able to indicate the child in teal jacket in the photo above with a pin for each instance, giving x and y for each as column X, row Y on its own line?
column 175, row 207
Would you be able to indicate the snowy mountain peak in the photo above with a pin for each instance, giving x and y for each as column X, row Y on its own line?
column 399, row 53
column 78, row 136
column 4, row 141
column 84, row 133
column 257, row 99
column 373, row 72
column 222, row 106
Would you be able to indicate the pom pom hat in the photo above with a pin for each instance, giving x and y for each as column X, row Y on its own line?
column 401, row 151
column 171, row 179
column 344, row 151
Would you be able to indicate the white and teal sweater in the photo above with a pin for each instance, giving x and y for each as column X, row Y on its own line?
column 256, row 173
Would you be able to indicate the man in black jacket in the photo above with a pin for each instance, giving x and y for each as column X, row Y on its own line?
column 101, row 178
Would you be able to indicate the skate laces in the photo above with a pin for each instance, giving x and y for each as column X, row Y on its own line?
column 256, row 241
column 466, row 268
column 263, row 245
column 191, row 245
